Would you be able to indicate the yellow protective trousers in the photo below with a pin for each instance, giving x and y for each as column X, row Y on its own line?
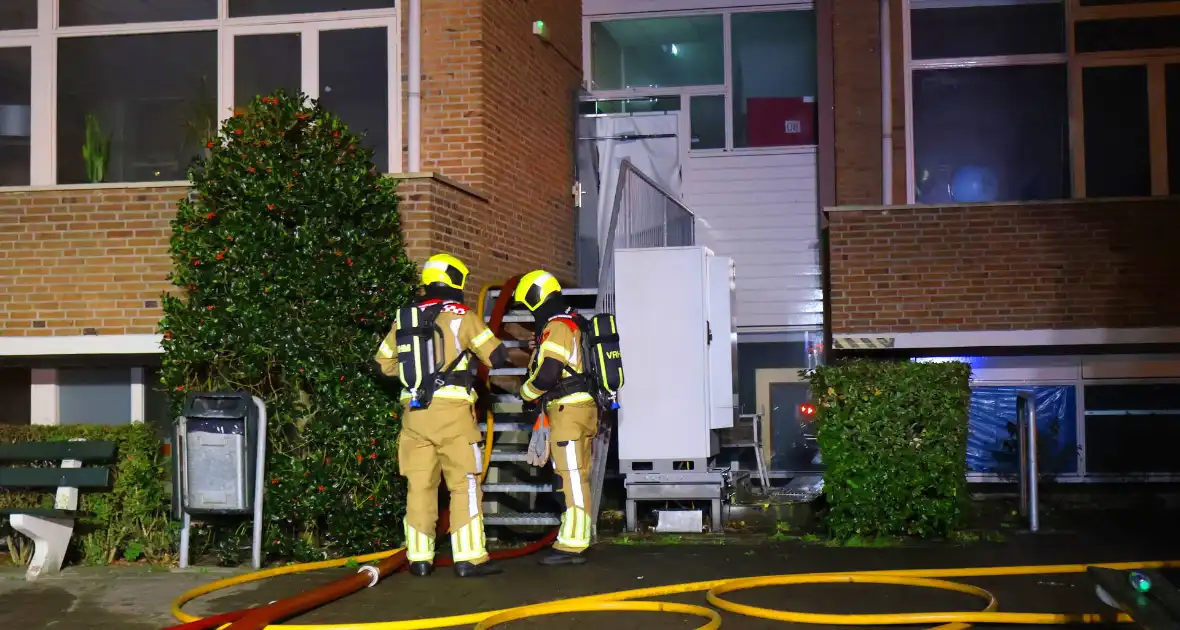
column 443, row 441
column 572, row 430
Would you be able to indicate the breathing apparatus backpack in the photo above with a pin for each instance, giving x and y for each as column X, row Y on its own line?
column 418, row 372
column 602, row 363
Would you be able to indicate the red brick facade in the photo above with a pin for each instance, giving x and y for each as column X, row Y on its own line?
column 497, row 148
column 1006, row 267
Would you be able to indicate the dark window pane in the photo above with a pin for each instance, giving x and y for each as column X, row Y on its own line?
column 1009, row 29
column 247, row 8
column 1104, row 3
column 153, row 97
column 991, row 134
column 265, row 63
column 15, row 116
column 708, row 122
column 774, row 103
column 358, row 93
column 90, row 12
column 1132, row 444
column 657, row 52
column 18, row 14
column 1172, row 103
column 1132, row 397
column 1116, row 131
column 630, row 105
column 94, row 395
column 15, row 395
column 1128, row 34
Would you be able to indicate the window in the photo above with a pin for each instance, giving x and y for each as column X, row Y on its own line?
column 1116, row 131
column 126, row 92
column 774, row 79
column 1172, row 116
column 1132, row 428
column 142, row 94
column 990, row 134
column 92, row 12
column 249, row 8
column 657, row 52
column 94, row 395
column 767, row 99
column 15, row 115
column 989, row 101
column 18, row 15
column 16, row 395
column 1128, row 34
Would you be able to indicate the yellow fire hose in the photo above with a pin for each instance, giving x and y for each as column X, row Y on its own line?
column 621, row 600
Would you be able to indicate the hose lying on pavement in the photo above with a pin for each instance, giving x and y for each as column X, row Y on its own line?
column 622, row 600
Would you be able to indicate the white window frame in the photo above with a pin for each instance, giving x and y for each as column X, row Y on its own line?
column 44, row 399
column 687, row 92
column 911, row 65
column 42, row 43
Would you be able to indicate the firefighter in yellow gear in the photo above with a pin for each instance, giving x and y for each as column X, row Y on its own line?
column 442, row 438
column 556, row 386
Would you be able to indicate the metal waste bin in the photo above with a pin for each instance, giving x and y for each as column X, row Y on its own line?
column 217, row 453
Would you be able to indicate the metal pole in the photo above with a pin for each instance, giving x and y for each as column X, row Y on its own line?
column 259, row 483
column 1022, row 450
column 182, row 488
column 184, row 534
column 1034, row 521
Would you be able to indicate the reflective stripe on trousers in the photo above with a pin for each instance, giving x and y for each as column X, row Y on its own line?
column 419, row 546
column 575, row 522
column 468, row 544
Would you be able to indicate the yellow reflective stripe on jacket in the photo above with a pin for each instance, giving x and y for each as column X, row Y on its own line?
column 385, row 352
column 528, row 393
column 482, row 338
column 450, row 392
column 556, row 349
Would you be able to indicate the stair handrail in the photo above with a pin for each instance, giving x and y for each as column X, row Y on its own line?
column 636, row 222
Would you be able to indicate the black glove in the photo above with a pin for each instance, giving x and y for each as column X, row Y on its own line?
column 530, row 408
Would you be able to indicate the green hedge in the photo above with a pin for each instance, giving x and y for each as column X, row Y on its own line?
column 131, row 519
column 894, row 441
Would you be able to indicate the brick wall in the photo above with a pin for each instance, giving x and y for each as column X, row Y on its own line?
column 498, row 111
column 856, row 40
column 72, row 260
column 1032, row 266
column 80, row 259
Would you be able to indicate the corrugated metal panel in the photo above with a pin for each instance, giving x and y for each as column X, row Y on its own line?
column 762, row 211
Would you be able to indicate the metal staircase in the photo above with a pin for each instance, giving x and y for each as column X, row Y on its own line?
column 518, row 496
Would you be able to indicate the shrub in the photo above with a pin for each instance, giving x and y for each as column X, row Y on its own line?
column 130, row 520
column 289, row 259
column 894, row 443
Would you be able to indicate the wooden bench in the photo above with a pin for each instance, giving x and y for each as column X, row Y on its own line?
column 51, row 528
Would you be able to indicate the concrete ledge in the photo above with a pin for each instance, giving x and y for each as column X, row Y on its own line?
column 1003, row 338
column 444, row 180
column 1002, row 204
column 79, row 345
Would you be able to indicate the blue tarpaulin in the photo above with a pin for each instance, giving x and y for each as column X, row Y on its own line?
column 991, row 438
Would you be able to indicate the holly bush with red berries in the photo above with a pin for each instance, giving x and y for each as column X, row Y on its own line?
column 289, row 266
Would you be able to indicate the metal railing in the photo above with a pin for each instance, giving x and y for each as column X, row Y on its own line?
column 643, row 214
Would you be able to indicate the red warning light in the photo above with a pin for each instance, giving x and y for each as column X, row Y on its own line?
column 807, row 409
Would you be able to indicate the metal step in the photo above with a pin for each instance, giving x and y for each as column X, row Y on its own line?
column 509, row 456
column 524, row 317
column 508, row 372
column 505, row 427
column 523, row 519
column 518, row 487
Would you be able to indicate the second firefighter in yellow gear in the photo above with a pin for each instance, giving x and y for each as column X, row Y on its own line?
column 442, row 438
column 556, row 384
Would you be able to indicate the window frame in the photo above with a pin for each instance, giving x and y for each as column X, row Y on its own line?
column 43, row 42
column 1155, row 61
column 687, row 92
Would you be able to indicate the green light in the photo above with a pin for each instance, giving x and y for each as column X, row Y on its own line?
column 1140, row 582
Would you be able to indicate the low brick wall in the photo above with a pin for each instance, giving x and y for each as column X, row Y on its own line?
column 1074, row 264
column 95, row 260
